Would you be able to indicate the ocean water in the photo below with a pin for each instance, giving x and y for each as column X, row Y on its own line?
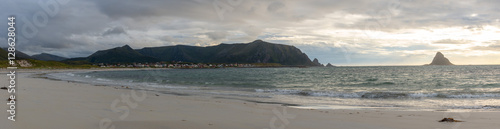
column 378, row 87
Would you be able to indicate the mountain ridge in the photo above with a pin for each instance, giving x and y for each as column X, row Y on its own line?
column 257, row 51
column 48, row 57
column 19, row 54
column 124, row 54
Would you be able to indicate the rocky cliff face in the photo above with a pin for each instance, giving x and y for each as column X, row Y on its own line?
column 439, row 59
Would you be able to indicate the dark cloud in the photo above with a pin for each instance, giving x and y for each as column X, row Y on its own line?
column 275, row 6
column 217, row 36
column 151, row 10
column 114, row 31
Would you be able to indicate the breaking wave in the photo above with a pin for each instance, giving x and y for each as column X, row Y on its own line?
column 376, row 95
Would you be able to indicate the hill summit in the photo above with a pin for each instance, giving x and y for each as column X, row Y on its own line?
column 439, row 59
column 124, row 54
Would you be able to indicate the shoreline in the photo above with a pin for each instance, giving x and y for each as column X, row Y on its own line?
column 257, row 98
column 47, row 103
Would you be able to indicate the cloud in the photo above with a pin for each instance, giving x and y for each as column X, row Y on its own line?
column 411, row 48
column 490, row 46
column 216, row 36
column 451, row 41
column 115, row 31
column 275, row 6
column 369, row 28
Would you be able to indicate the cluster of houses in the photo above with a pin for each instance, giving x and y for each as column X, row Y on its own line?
column 24, row 63
column 180, row 65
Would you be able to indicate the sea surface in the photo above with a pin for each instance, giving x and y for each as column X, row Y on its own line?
column 364, row 87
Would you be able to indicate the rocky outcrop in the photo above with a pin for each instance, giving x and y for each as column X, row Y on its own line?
column 329, row 65
column 439, row 59
column 316, row 62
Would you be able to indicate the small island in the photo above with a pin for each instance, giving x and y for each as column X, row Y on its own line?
column 439, row 59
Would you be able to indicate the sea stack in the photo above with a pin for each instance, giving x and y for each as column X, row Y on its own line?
column 329, row 65
column 439, row 59
column 316, row 62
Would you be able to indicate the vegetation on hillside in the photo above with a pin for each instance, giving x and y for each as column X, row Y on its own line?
column 255, row 52
column 258, row 53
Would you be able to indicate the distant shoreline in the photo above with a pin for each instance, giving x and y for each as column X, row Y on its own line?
column 24, row 69
column 283, row 66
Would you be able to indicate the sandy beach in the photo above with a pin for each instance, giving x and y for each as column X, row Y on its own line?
column 53, row 104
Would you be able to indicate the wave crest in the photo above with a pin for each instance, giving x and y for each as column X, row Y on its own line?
column 373, row 95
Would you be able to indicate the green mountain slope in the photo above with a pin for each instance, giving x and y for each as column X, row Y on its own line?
column 47, row 57
column 3, row 54
column 255, row 52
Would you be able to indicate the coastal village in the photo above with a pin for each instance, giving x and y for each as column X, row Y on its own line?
column 177, row 65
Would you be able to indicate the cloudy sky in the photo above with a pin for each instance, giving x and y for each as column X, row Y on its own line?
column 341, row 32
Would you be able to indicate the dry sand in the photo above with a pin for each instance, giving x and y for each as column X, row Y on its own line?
column 51, row 104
